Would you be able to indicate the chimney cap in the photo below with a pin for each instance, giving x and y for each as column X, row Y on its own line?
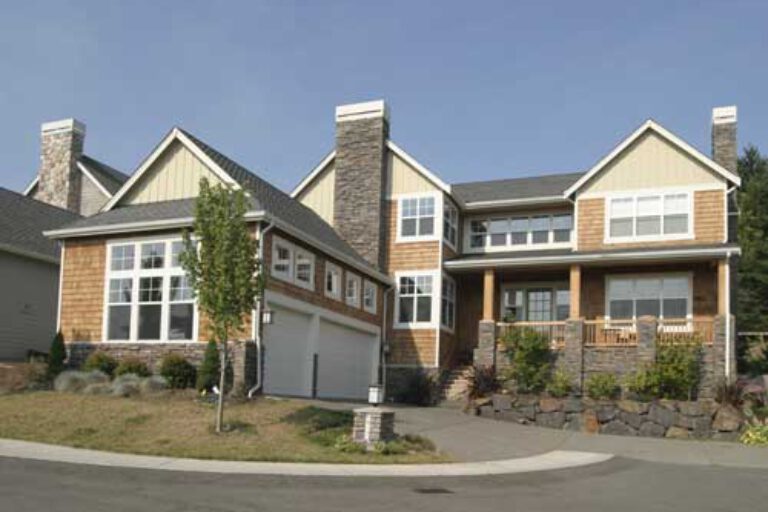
column 724, row 115
column 63, row 125
column 365, row 110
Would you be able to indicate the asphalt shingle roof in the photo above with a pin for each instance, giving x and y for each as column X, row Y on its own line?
column 515, row 188
column 109, row 177
column 23, row 220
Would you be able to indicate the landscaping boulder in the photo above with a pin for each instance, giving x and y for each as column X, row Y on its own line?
column 590, row 423
column 618, row 428
column 632, row 419
column 551, row 419
column 691, row 408
column 651, row 429
column 677, row 433
column 661, row 415
column 153, row 385
column 550, row 405
column 605, row 412
column 633, row 407
column 699, row 424
column 527, row 411
column 98, row 388
column 70, row 382
column 727, row 419
column 126, row 385
column 502, row 402
column 572, row 405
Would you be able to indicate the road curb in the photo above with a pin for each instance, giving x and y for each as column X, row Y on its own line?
column 553, row 460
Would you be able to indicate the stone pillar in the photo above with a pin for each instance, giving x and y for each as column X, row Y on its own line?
column 59, row 179
column 573, row 355
column 373, row 425
column 647, row 330
column 485, row 353
column 723, row 349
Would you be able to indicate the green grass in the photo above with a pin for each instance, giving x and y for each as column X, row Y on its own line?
column 178, row 425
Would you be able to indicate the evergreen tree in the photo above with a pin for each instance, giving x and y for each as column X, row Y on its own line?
column 208, row 373
column 223, row 268
column 56, row 356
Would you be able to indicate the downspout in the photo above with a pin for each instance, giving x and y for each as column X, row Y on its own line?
column 257, row 316
column 728, row 316
column 384, row 340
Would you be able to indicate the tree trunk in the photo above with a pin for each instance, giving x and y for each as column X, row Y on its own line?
column 222, row 384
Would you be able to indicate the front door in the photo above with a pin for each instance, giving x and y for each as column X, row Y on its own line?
column 539, row 305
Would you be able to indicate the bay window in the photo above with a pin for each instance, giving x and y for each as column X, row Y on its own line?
column 660, row 296
column 653, row 216
column 414, row 299
column 416, row 217
column 149, row 298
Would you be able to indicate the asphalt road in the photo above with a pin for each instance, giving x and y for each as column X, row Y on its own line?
column 620, row 484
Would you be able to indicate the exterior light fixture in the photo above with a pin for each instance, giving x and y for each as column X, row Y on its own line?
column 267, row 316
column 375, row 394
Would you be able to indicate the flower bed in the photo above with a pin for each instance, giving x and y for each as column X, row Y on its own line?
column 661, row 418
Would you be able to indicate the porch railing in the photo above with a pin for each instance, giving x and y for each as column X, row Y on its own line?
column 554, row 331
column 610, row 333
column 623, row 333
column 701, row 329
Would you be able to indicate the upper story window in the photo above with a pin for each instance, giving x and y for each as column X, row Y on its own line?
column 448, row 303
column 293, row 264
column 282, row 259
column 649, row 216
column 305, row 269
column 416, row 217
column 332, row 281
column 369, row 296
column 352, row 290
column 450, row 224
column 149, row 299
column 520, row 231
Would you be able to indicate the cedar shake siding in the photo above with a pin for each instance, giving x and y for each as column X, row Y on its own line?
column 412, row 347
column 82, row 290
column 708, row 223
column 317, row 296
column 409, row 255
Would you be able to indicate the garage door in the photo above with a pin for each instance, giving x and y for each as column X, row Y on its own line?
column 288, row 359
column 346, row 362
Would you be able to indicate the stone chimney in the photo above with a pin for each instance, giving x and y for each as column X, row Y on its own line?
column 59, row 181
column 724, row 149
column 359, row 215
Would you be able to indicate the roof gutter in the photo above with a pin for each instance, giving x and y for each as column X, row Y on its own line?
column 28, row 254
column 586, row 258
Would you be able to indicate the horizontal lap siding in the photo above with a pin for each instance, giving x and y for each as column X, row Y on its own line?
column 317, row 296
column 708, row 223
column 82, row 292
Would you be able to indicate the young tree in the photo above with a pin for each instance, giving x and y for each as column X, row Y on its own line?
column 221, row 262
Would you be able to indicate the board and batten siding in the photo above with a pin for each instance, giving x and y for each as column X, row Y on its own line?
column 91, row 198
column 175, row 175
column 651, row 162
column 404, row 179
column 319, row 195
column 27, row 305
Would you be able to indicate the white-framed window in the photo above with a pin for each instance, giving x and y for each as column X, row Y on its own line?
column 535, row 302
column 416, row 217
column 332, row 281
column 657, row 216
column 448, row 304
column 519, row 232
column 415, row 298
column 282, row 259
column 450, row 224
column 370, row 291
column 658, row 295
column 304, row 269
column 352, row 290
column 149, row 298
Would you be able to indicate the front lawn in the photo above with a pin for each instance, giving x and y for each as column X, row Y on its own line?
column 178, row 425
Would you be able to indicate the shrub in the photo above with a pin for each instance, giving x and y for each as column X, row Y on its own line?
column 418, row 388
column 755, row 435
column 528, row 351
column 482, row 382
column 644, row 383
column 96, row 377
column 345, row 444
column 602, row 386
column 679, row 370
column 126, row 385
column 560, row 385
column 70, row 382
column 208, row 373
column 178, row 372
column 153, row 385
column 755, row 356
column 133, row 366
column 56, row 356
column 729, row 393
column 100, row 361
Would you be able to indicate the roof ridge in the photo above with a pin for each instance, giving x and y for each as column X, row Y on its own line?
column 533, row 177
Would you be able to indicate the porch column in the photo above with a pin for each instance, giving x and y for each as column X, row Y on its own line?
column 722, row 287
column 489, row 279
column 575, row 288
column 485, row 353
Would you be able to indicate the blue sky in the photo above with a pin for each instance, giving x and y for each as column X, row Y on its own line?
column 477, row 90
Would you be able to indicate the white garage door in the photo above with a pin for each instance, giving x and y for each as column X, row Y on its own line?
column 346, row 362
column 288, row 359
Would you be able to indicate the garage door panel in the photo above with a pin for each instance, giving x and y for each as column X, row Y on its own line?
column 288, row 359
column 346, row 361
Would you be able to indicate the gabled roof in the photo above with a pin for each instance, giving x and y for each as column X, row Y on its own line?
column 265, row 201
column 513, row 190
column 106, row 178
column 421, row 169
column 651, row 125
column 22, row 222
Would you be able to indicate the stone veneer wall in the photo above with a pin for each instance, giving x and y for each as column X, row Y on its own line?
column 60, row 181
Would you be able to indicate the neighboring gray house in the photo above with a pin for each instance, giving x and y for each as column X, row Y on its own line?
column 29, row 274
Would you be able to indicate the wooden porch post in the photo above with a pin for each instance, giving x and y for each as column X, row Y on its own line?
column 575, row 287
column 489, row 279
column 722, row 287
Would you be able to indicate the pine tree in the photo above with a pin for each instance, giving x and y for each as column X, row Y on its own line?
column 56, row 356
column 223, row 268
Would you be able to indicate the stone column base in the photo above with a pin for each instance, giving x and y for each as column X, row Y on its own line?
column 373, row 425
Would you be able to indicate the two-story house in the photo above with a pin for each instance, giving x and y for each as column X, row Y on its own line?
column 376, row 267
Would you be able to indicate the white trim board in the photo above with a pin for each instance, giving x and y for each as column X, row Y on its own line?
column 652, row 125
column 313, row 174
column 91, row 177
column 305, row 307
column 29, row 187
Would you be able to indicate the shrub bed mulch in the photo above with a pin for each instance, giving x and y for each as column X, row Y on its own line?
column 660, row 418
